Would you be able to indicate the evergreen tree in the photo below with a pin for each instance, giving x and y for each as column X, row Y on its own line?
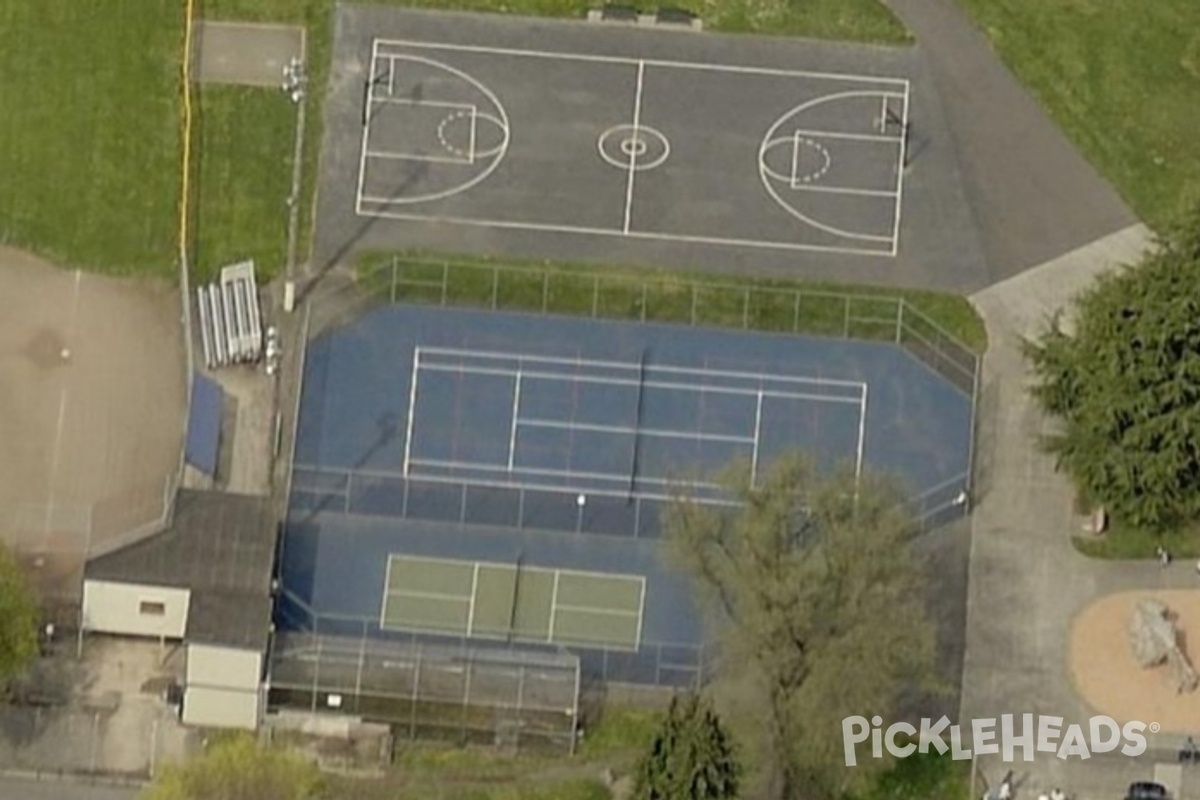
column 691, row 757
column 1124, row 380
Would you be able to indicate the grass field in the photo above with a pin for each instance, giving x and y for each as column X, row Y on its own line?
column 243, row 176
column 90, row 133
column 659, row 295
column 1122, row 77
column 1120, row 543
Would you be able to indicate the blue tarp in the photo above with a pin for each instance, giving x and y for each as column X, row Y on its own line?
column 204, row 425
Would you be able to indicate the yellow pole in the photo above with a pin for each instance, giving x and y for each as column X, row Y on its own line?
column 185, row 168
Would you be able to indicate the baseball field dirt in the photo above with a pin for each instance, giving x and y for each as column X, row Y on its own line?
column 92, row 405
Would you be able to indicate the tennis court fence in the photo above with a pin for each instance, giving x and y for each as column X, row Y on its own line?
column 583, row 292
column 389, row 279
column 664, row 665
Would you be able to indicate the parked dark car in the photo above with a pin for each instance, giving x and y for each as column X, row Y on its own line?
column 1146, row 790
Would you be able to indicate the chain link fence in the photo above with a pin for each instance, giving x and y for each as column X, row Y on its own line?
column 389, row 279
column 516, row 699
column 56, row 539
column 662, row 664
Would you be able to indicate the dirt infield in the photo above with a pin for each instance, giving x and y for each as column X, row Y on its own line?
column 1110, row 680
column 92, row 403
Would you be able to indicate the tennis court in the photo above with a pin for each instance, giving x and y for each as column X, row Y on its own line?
column 613, row 428
column 465, row 475
column 514, row 602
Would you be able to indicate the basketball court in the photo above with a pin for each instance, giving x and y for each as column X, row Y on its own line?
column 610, row 146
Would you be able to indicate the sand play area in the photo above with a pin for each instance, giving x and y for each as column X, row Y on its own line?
column 92, row 404
column 1107, row 674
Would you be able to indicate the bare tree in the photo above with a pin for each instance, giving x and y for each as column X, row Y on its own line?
column 818, row 607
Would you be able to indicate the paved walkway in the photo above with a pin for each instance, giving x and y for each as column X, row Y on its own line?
column 1034, row 197
column 1027, row 581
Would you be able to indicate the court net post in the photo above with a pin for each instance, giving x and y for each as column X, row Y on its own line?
column 516, row 593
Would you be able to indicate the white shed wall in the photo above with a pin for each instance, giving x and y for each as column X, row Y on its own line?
column 220, row 708
column 223, row 667
column 135, row 609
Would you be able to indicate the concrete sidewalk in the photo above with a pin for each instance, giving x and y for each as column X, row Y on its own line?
column 1027, row 582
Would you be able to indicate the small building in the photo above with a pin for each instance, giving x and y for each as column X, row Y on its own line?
column 204, row 582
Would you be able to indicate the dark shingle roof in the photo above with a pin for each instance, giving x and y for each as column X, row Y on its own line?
column 222, row 547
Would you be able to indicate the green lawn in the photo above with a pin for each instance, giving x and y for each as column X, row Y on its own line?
column 1122, row 77
column 661, row 295
column 1122, row 542
column 90, row 133
column 244, row 142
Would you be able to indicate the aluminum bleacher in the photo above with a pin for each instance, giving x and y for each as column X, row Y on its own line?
column 230, row 318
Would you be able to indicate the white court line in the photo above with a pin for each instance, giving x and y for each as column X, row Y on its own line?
column 795, row 160
column 391, row 75
column 366, row 132
column 634, row 367
column 818, row 188
column 883, row 105
column 474, row 128
column 862, row 434
column 553, row 606
column 612, row 612
column 412, row 407
column 650, row 384
column 900, row 167
column 637, row 122
column 455, row 598
column 859, row 137
column 547, row 473
column 387, row 591
column 786, row 73
column 516, row 411
column 530, row 486
column 60, row 425
column 637, row 640
column 654, row 433
column 408, row 157
column 474, row 596
column 581, row 229
column 609, row 576
column 757, row 439
column 408, row 101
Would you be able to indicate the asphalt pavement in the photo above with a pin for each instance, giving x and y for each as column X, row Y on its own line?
column 22, row 789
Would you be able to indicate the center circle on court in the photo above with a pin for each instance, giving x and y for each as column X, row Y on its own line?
column 634, row 147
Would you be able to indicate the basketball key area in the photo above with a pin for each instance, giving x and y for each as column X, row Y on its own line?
column 664, row 150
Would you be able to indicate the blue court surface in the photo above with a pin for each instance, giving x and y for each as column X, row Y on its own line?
column 554, row 443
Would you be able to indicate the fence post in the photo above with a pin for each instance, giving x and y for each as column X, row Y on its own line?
column 595, row 295
column 392, row 294
column 846, row 320
column 900, row 318
column 746, row 308
column 693, row 303
column 445, row 281
column 495, row 286
column 796, row 313
column 643, row 314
